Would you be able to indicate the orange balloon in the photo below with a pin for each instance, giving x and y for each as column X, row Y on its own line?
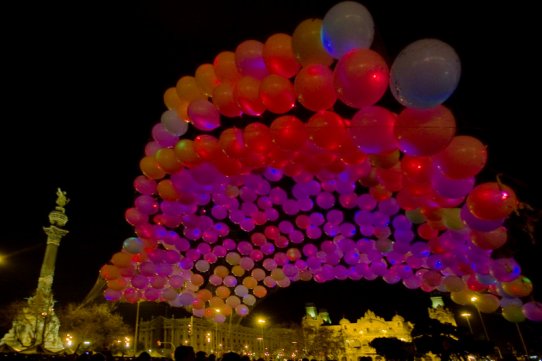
column 109, row 272
column 464, row 157
column 149, row 166
column 171, row 99
column 259, row 291
column 307, row 43
column 186, row 153
column 224, row 100
column 247, row 96
column 206, row 78
column 166, row 190
column 189, row 89
column 278, row 55
column 168, row 161
column 520, row 287
column 277, row 94
column 121, row 259
column 225, row 66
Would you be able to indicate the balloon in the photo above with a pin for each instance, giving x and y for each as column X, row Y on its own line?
column 289, row 132
column 519, row 287
column 464, row 157
column 249, row 59
column 533, row 311
column 203, row 115
column 277, row 94
column 189, row 89
column 424, row 132
column 206, row 78
column 279, row 57
column 314, row 87
column 371, row 130
column 247, row 95
column 361, row 78
column 492, row 201
column 425, row 74
column 327, row 130
column 226, row 67
column 224, row 100
column 346, row 26
column 307, row 44
column 513, row 313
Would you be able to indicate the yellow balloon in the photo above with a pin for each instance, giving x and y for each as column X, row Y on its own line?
column 237, row 270
column 307, row 43
column 487, row 303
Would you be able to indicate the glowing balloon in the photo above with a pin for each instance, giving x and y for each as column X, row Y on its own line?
column 425, row 74
column 492, row 201
column 425, row 132
column 307, row 44
column 279, row 57
column 361, row 78
column 346, row 26
column 372, row 130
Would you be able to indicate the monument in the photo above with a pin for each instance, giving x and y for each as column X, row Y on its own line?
column 35, row 327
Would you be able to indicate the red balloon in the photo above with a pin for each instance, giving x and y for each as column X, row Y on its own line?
column 371, row 130
column 247, row 96
column 491, row 201
column 327, row 130
column 361, row 78
column 314, row 87
column 224, row 100
column 289, row 132
column 425, row 131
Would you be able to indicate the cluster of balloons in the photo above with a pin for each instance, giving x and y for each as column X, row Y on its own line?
column 239, row 193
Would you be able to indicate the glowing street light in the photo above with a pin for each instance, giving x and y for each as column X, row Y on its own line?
column 261, row 323
column 467, row 315
column 474, row 300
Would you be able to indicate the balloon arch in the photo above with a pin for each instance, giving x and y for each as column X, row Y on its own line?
column 276, row 164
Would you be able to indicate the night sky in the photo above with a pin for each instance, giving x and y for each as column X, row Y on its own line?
column 83, row 84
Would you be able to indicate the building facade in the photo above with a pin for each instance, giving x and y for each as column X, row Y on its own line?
column 161, row 335
column 316, row 338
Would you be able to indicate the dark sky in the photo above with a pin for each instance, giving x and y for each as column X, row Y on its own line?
column 83, row 84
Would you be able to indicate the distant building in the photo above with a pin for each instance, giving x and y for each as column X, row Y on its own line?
column 440, row 313
column 349, row 341
column 218, row 338
column 316, row 338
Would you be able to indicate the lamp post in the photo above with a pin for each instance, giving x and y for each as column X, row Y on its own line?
column 261, row 322
column 467, row 315
column 474, row 300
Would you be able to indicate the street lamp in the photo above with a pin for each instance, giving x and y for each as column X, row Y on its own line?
column 474, row 300
column 261, row 322
column 467, row 315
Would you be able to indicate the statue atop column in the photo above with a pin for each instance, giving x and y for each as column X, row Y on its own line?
column 35, row 327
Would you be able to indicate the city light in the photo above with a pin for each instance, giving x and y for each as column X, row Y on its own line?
column 467, row 315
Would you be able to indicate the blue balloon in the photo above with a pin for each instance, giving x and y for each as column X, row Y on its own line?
column 347, row 25
column 425, row 74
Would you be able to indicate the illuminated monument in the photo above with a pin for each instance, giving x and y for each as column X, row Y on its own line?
column 35, row 327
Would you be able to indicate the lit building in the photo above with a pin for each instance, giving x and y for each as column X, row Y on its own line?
column 217, row 338
column 317, row 338
column 349, row 341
